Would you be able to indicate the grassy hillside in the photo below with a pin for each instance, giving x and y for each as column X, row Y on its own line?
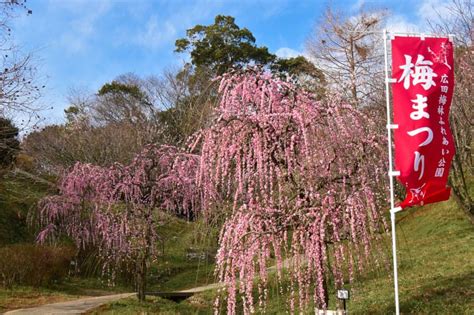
column 173, row 270
column 435, row 246
column 18, row 194
column 179, row 267
column 436, row 270
column 436, row 266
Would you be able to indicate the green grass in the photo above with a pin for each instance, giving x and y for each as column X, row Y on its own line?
column 154, row 305
column 169, row 272
column 436, row 266
column 174, row 271
column 436, row 273
column 435, row 252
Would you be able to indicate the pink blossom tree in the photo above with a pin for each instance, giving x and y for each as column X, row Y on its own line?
column 304, row 178
column 114, row 208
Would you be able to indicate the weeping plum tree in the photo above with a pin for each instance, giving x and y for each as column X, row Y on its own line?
column 115, row 208
column 304, row 179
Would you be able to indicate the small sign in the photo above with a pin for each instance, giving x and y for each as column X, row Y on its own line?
column 343, row 294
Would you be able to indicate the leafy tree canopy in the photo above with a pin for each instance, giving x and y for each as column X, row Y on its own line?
column 222, row 45
column 303, row 72
column 123, row 101
column 296, row 66
column 119, row 88
column 9, row 144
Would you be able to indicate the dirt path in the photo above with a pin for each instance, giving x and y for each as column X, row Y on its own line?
column 71, row 307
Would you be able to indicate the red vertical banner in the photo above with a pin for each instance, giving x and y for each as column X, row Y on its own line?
column 423, row 74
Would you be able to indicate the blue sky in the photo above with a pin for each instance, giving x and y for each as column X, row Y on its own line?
column 86, row 43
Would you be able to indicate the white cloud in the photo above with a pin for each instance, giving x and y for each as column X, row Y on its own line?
column 432, row 10
column 427, row 11
column 270, row 8
column 156, row 33
column 285, row 52
column 358, row 5
column 399, row 23
column 163, row 29
column 75, row 38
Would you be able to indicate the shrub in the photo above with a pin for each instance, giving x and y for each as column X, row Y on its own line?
column 35, row 265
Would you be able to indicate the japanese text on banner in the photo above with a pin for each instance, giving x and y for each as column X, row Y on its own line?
column 422, row 93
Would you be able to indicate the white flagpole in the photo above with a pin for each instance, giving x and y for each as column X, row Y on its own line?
column 391, row 174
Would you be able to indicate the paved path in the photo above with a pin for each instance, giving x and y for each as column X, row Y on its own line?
column 70, row 307
column 86, row 304
column 203, row 288
column 83, row 305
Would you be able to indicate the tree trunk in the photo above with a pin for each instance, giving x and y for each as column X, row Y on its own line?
column 326, row 293
column 141, row 279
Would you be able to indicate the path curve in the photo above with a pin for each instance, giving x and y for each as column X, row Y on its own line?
column 208, row 287
column 70, row 307
column 83, row 305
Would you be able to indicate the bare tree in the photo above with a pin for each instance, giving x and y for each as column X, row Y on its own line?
column 103, row 128
column 123, row 100
column 123, row 116
column 185, row 98
column 462, row 122
column 348, row 51
column 18, row 90
column 456, row 17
